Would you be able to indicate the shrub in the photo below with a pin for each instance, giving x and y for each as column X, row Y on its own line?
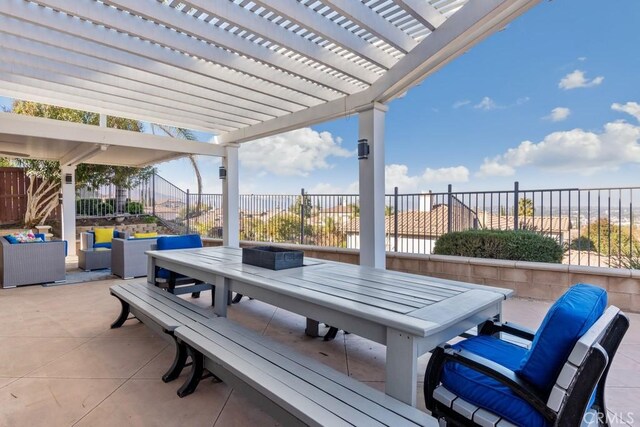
column 500, row 244
column 134, row 208
column 582, row 243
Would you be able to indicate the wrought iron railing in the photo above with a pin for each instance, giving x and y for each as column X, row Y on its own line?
column 596, row 226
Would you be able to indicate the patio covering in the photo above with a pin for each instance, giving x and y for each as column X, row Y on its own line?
column 243, row 69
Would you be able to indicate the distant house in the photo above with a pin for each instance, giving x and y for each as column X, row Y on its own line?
column 417, row 230
column 557, row 227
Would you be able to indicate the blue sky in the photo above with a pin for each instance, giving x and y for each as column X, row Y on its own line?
column 565, row 77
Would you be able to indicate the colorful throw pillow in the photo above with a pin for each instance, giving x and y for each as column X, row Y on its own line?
column 145, row 235
column 103, row 235
column 24, row 237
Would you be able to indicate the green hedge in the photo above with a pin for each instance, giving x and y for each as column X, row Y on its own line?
column 500, row 244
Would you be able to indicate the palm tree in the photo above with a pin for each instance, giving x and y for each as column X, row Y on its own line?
column 182, row 133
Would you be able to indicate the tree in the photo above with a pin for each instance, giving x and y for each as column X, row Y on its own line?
column 42, row 196
column 525, row 207
column 182, row 133
column 611, row 239
column 389, row 211
column 4, row 162
column 300, row 201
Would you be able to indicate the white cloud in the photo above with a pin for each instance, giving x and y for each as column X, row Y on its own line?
column 295, row 153
column 461, row 103
column 398, row 176
column 575, row 150
column 558, row 114
column 632, row 108
column 448, row 175
column 577, row 79
column 486, row 104
column 492, row 167
column 582, row 58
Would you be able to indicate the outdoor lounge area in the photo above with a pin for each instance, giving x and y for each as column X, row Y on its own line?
column 61, row 364
column 149, row 304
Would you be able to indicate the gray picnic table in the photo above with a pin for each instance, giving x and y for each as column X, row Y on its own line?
column 410, row 314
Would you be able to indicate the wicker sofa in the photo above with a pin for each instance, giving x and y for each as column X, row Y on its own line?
column 31, row 263
column 128, row 258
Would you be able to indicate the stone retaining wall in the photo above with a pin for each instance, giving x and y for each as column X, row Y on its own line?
column 529, row 279
column 131, row 228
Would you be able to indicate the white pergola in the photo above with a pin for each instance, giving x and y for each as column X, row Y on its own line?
column 243, row 69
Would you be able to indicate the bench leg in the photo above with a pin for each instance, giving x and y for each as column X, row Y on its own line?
column 237, row 298
column 197, row 368
column 331, row 333
column 195, row 294
column 178, row 363
column 124, row 315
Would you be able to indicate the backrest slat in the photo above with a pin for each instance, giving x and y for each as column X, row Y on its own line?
column 578, row 356
column 592, row 336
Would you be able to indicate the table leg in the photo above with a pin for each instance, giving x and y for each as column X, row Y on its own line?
column 401, row 366
column 312, row 328
column 151, row 270
column 221, row 289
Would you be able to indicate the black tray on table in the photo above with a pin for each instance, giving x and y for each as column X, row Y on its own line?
column 272, row 258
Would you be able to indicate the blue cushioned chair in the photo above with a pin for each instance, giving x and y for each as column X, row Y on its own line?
column 177, row 283
column 486, row 380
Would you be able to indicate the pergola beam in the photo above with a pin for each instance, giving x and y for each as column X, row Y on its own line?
column 366, row 18
column 421, row 10
column 457, row 35
column 37, row 127
column 39, row 91
column 307, row 18
column 32, row 21
column 131, row 88
column 148, row 30
column 81, row 153
column 242, row 18
column 67, row 87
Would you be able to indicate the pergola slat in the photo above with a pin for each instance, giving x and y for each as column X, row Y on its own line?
column 366, row 18
column 426, row 14
column 38, row 55
column 135, row 26
column 242, row 69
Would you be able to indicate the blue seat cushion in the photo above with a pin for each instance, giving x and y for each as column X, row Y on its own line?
column 566, row 321
column 179, row 242
column 485, row 392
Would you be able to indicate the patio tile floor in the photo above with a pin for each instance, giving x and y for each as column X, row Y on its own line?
column 61, row 365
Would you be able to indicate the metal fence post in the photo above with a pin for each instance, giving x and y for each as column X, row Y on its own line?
column 395, row 219
column 449, row 208
column 153, row 194
column 302, row 216
column 516, row 213
column 187, row 212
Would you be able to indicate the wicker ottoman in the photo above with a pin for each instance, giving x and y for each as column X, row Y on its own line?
column 94, row 259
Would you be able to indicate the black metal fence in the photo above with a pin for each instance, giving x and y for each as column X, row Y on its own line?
column 596, row 226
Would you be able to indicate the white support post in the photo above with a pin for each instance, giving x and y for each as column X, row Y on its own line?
column 69, row 209
column 230, row 198
column 372, row 242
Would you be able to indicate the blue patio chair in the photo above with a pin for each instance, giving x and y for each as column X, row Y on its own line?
column 560, row 380
column 177, row 283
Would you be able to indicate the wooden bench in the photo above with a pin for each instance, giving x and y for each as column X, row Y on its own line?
column 162, row 312
column 295, row 389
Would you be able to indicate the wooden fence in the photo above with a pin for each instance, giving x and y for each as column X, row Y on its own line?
column 13, row 196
